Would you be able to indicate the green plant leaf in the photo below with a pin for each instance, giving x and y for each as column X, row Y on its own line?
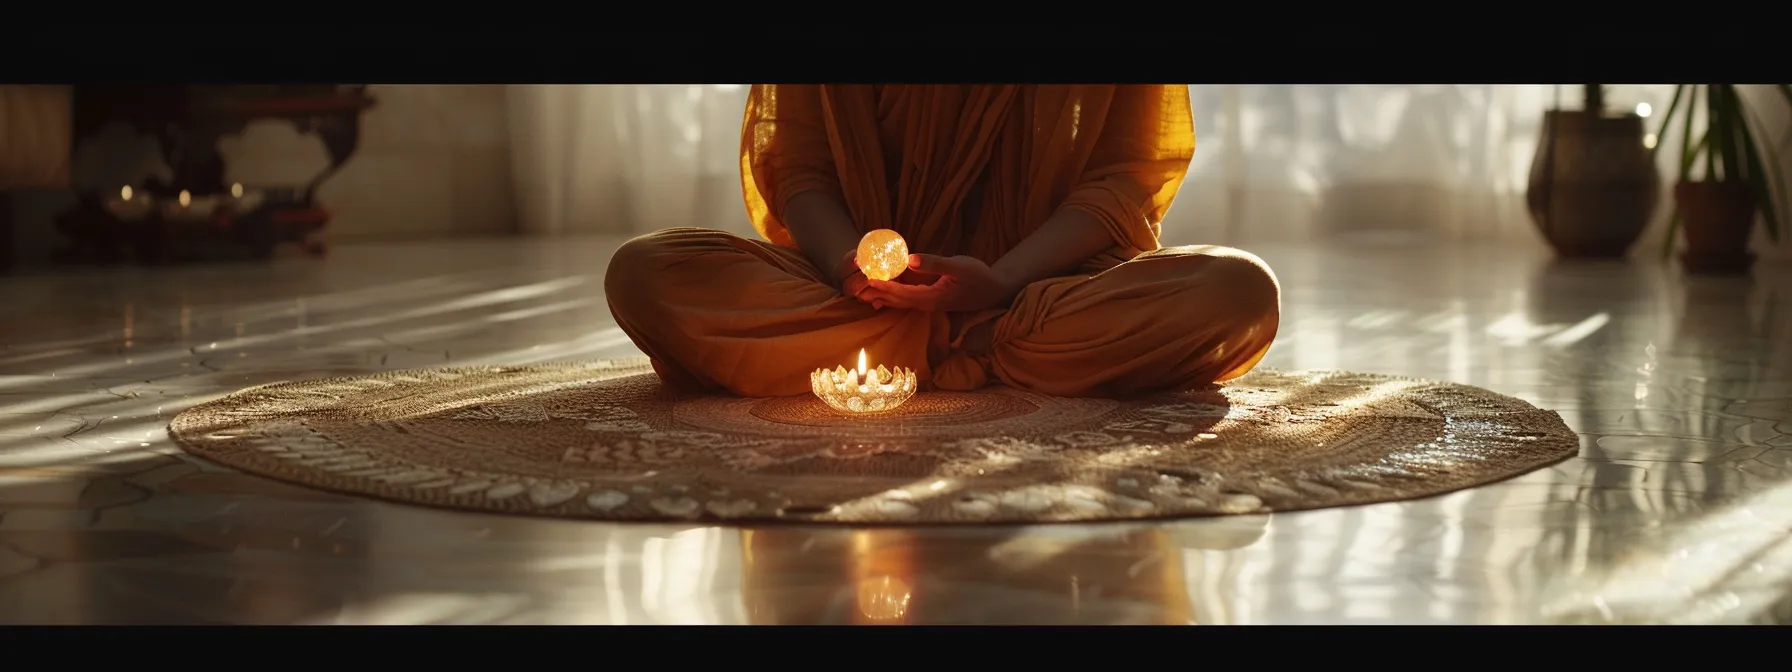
column 1689, row 148
column 1723, row 126
column 1692, row 155
column 1732, row 156
column 1686, row 161
column 1719, row 122
column 1689, row 154
column 1757, row 186
column 1667, row 117
column 1764, row 178
column 1714, row 130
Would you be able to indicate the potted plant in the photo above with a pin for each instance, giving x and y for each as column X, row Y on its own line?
column 1741, row 174
column 1593, row 185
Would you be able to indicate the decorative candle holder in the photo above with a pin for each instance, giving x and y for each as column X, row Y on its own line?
column 861, row 390
column 244, row 200
column 186, row 206
column 129, row 206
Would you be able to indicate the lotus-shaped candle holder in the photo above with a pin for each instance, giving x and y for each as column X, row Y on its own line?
column 862, row 390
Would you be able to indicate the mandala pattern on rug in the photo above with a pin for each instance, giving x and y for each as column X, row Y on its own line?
column 603, row 440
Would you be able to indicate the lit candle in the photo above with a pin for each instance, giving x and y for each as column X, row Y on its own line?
column 243, row 200
column 128, row 205
column 187, row 207
column 863, row 390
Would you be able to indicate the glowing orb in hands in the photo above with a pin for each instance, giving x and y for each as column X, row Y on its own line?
column 883, row 254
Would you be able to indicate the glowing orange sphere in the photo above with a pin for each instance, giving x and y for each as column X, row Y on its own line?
column 883, row 254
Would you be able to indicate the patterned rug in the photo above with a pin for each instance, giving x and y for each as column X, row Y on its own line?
column 603, row 440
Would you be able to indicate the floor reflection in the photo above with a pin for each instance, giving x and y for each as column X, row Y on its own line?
column 1040, row 576
column 1676, row 509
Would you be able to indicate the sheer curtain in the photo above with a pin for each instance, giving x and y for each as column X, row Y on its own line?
column 1274, row 162
column 626, row 159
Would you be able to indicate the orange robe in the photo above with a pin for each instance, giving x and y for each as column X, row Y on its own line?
column 955, row 169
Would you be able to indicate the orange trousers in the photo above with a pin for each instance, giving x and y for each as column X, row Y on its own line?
column 717, row 311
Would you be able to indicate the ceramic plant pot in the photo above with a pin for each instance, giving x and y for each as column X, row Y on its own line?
column 1716, row 219
column 1593, row 184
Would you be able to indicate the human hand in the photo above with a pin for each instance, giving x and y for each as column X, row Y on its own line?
column 962, row 284
column 849, row 278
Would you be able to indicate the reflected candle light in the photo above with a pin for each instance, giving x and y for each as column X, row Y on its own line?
column 883, row 598
column 863, row 390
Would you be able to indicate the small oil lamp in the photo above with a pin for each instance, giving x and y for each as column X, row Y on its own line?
column 128, row 205
column 863, row 390
column 188, row 206
column 179, row 208
column 243, row 200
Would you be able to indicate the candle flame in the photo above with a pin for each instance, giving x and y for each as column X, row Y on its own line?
column 186, row 197
column 861, row 361
column 125, row 193
column 236, row 190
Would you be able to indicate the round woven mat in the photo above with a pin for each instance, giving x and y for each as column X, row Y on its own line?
column 603, row 440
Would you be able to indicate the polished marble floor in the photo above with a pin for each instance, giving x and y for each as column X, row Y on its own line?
column 1679, row 508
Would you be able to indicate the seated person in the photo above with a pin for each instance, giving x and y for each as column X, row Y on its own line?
column 1032, row 212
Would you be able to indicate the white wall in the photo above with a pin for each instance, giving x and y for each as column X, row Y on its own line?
column 434, row 160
